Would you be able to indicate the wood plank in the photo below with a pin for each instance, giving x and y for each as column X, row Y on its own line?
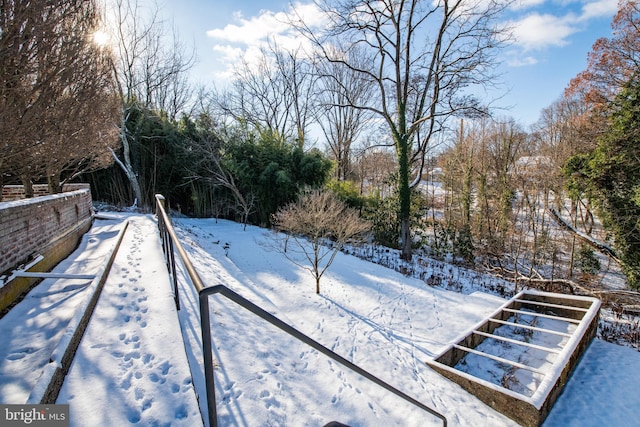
column 546, row 304
column 546, row 316
column 54, row 275
column 500, row 359
column 522, row 343
column 533, row 328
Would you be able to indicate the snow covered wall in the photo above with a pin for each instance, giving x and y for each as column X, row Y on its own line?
column 49, row 226
column 16, row 192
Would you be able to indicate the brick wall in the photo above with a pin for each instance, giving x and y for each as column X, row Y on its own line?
column 29, row 226
column 16, row 192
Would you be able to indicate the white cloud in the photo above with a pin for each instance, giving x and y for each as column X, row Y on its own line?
column 253, row 30
column 517, row 61
column 525, row 4
column 599, row 9
column 244, row 38
column 536, row 31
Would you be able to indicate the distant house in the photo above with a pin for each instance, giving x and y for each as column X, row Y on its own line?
column 534, row 166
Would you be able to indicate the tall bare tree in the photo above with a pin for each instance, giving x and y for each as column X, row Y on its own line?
column 55, row 89
column 274, row 93
column 339, row 88
column 564, row 130
column 422, row 58
column 150, row 67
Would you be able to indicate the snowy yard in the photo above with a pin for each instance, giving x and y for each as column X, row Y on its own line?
column 129, row 370
column 379, row 319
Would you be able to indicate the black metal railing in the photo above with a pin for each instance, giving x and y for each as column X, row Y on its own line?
column 168, row 233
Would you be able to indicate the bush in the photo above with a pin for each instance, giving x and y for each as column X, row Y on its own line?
column 587, row 261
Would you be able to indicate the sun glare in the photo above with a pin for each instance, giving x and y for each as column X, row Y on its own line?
column 100, row 38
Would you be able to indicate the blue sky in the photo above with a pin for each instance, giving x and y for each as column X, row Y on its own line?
column 552, row 39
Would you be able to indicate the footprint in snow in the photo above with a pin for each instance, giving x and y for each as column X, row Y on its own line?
column 20, row 354
column 133, row 415
column 132, row 355
column 154, row 377
column 139, row 393
column 126, row 382
column 181, row 413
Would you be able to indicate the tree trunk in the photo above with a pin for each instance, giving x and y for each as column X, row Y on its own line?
column 404, row 193
column 126, row 165
column 28, row 186
column 133, row 179
column 53, row 182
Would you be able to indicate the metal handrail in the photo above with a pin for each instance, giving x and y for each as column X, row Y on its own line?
column 167, row 232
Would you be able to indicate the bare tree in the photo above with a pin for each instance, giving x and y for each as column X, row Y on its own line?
column 274, row 93
column 339, row 88
column 219, row 176
column 374, row 167
column 422, row 57
column 54, row 90
column 503, row 145
column 319, row 224
column 150, row 68
column 563, row 130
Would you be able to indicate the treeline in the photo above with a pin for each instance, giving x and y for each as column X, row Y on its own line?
column 555, row 204
column 208, row 170
column 51, row 128
column 395, row 132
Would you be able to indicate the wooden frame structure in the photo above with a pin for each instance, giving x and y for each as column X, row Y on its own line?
column 575, row 322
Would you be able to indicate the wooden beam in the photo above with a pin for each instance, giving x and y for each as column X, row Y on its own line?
column 500, row 359
column 532, row 328
column 55, row 275
column 522, row 343
column 546, row 316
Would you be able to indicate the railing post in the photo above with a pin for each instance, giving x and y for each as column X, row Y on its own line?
column 167, row 245
column 174, row 275
column 205, row 327
column 160, row 204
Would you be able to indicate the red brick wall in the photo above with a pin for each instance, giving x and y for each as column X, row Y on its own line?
column 29, row 225
column 16, row 192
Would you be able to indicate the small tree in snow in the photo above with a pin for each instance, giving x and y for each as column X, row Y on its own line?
column 318, row 224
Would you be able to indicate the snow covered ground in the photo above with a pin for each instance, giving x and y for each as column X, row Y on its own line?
column 131, row 368
column 381, row 320
column 32, row 329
